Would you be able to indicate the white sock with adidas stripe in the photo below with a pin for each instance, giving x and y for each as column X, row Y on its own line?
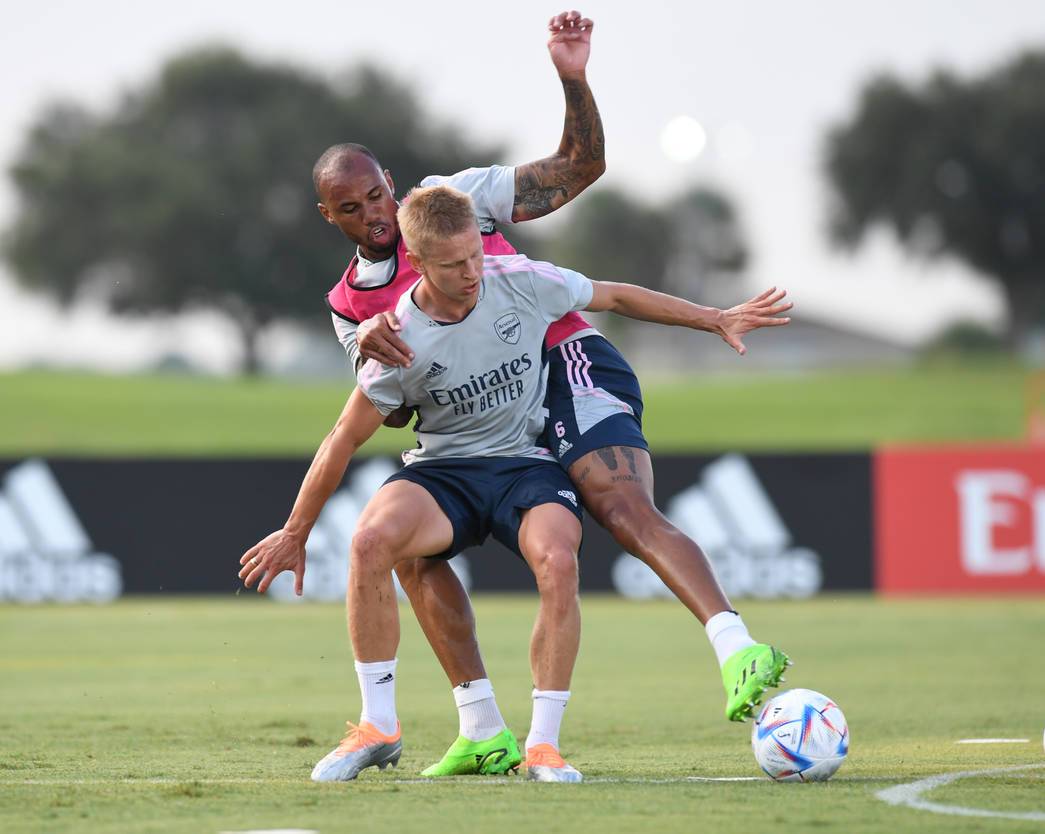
column 377, row 685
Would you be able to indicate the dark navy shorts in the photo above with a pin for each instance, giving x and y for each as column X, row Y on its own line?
column 593, row 401
column 484, row 496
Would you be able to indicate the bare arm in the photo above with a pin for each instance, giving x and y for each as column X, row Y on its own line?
column 647, row 305
column 285, row 548
column 357, row 424
column 547, row 184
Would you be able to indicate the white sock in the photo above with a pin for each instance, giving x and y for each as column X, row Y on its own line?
column 728, row 635
column 477, row 710
column 377, row 684
column 548, row 709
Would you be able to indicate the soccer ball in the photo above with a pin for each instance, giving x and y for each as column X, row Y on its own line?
column 800, row 736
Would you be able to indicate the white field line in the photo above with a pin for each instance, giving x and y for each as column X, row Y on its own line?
column 910, row 795
column 273, row 831
column 992, row 741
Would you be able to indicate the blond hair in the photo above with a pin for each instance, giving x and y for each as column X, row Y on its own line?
column 434, row 213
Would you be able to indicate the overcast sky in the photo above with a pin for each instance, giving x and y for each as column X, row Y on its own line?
column 764, row 79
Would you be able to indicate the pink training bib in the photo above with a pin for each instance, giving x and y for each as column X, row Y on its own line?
column 357, row 304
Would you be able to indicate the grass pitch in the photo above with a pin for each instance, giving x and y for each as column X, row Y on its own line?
column 185, row 715
column 84, row 414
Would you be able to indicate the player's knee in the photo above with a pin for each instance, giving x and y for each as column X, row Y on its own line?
column 555, row 567
column 370, row 547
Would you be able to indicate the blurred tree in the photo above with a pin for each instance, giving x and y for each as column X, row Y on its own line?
column 965, row 340
column 526, row 241
column 708, row 247
column 612, row 237
column 955, row 167
column 196, row 192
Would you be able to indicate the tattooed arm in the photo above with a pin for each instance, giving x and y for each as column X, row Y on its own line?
column 545, row 185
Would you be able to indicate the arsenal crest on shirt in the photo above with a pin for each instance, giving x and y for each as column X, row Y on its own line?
column 508, row 327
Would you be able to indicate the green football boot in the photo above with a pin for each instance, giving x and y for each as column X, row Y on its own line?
column 465, row 757
column 747, row 674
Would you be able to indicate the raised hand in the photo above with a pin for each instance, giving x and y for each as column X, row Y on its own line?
column 761, row 311
column 570, row 42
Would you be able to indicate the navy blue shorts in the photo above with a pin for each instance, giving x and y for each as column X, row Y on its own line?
column 483, row 496
column 593, row 401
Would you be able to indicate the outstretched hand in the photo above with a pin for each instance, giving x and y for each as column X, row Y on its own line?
column 271, row 556
column 570, row 42
column 761, row 311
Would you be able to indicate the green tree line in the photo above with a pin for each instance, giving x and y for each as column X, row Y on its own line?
column 194, row 191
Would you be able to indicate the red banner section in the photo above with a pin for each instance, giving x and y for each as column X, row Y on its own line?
column 960, row 519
